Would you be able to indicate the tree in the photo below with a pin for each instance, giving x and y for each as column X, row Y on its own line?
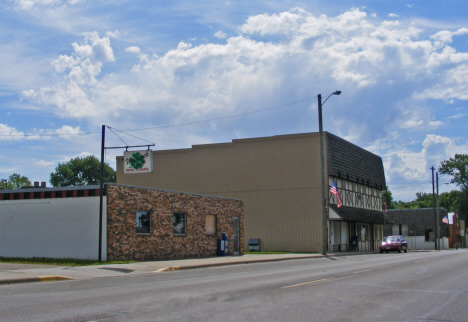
column 388, row 198
column 16, row 181
column 81, row 172
column 457, row 167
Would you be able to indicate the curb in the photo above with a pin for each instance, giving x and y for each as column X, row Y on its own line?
column 35, row 279
column 248, row 262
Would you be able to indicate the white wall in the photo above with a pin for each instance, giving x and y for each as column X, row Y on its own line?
column 52, row 228
column 418, row 242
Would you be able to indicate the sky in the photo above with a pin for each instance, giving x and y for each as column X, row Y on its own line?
column 181, row 73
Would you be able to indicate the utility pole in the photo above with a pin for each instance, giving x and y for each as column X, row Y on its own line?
column 323, row 198
column 434, row 207
column 437, row 216
column 101, row 193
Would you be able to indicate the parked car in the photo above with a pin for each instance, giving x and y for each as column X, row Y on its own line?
column 393, row 243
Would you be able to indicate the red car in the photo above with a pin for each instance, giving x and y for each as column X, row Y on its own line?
column 393, row 243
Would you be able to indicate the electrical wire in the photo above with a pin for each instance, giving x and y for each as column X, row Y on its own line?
column 165, row 126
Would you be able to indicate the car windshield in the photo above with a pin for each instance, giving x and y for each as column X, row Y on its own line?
column 391, row 239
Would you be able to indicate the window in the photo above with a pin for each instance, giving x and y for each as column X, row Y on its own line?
column 365, row 232
column 178, row 223
column 429, row 235
column 211, row 225
column 143, row 222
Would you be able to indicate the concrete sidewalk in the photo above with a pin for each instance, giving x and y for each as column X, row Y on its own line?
column 26, row 273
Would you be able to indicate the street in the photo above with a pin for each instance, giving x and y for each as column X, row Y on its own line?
column 417, row 286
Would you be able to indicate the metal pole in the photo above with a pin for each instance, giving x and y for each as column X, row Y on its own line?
column 434, row 207
column 323, row 198
column 101, row 190
column 438, row 215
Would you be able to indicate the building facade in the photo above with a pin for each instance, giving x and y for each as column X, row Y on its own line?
column 137, row 223
column 279, row 180
column 418, row 227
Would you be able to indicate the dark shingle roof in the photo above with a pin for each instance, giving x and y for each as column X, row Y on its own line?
column 353, row 163
column 360, row 215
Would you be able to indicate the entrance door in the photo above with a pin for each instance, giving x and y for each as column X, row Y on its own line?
column 235, row 236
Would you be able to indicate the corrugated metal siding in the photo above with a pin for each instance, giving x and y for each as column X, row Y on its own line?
column 277, row 177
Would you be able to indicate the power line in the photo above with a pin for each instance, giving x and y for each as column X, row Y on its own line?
column 165, row 126
column 223, row 117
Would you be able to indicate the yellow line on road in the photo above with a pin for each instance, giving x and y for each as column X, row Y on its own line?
column 316, row 281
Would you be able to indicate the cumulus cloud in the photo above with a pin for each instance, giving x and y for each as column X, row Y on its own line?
column 73, row 96
column 435, row 149
column 133, row 49
column 221, row 35
column 9, row 133
column 278, row 58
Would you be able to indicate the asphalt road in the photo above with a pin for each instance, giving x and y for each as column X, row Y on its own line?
column 423, row 286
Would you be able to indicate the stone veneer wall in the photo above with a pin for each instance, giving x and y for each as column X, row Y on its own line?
column 123, row 243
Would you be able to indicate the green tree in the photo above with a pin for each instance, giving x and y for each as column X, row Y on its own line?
column 388, row 198
column 81, row 172
column 457, row 167
column 16, row 181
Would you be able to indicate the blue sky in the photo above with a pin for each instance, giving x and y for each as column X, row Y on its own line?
column 157, row 70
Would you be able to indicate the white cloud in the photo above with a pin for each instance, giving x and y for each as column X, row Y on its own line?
column 275, row 58
column 133, row 49
column 67, row 130
column 393, row 15
column 9, row 133
column 221, row 35
column 29, row 4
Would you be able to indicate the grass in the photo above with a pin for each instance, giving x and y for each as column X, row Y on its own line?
column 57, row 261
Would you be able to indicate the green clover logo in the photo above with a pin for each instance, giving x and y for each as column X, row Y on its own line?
column 137, row 161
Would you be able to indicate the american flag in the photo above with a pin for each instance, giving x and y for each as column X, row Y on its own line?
column 334, row 190
column 445, row 220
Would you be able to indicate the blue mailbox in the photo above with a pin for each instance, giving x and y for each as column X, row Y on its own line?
column 223, row 246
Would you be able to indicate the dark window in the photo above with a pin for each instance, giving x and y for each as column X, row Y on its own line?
column 428, row 235
column 143, row 222
column 400, row 230
column 178, row 223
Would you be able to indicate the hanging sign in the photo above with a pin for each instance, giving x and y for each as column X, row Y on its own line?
column 138, row 161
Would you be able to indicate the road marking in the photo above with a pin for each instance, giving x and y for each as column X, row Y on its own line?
column 367, row 270
column 316, row 281
column 422, row 260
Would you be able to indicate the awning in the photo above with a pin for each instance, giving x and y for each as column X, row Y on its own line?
column 357, row 215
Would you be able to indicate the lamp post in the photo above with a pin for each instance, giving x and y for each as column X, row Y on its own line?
column 323, row 199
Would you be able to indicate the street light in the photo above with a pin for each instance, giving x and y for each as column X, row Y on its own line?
column 322, row 175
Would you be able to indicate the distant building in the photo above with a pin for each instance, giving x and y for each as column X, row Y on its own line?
column 279, row 180
column 417, row 226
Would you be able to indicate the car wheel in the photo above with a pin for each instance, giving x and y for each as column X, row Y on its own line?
column 381, row 251
column 386, row 251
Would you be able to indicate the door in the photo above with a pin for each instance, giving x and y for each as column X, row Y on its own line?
column 235, row 236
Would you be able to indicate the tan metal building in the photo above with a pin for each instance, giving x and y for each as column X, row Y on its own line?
column 278, row 178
